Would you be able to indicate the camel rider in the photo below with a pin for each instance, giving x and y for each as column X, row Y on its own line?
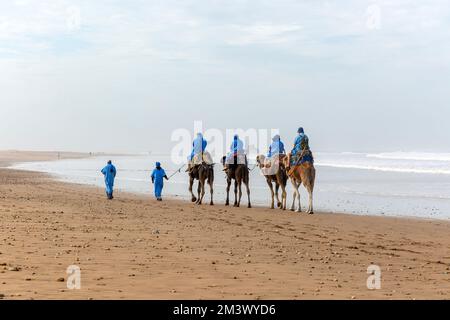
column 198, row 148
column 236, row 151
column 237, row 147
column 301, row 151
column 276, row 148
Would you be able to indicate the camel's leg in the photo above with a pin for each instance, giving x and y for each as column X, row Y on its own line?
column 294, row 194
column 299, row 198
column 203, row 191
column 272, row 193
column 191, row 184
column 277, row 189
column 311, row 190
column 227, row 203
column 240, row 193
column 309, row 187
column 211, row 188
column 248, row 194
column 311, row 209
column 236, row 193
column 199, row 192
column 283, row 196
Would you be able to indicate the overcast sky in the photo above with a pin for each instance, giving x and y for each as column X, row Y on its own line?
column 122, row 75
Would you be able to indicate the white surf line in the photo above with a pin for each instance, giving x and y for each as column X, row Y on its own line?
column 384, row 169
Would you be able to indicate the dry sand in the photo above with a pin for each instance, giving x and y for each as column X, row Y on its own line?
column 136, row 248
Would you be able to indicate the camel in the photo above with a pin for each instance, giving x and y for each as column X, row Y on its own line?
column 203, row 173
column 241, row 174
column 301, row 173
column 275, row 175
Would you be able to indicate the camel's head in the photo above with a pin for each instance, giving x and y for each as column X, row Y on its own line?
column 260, row 160
column 224, row 159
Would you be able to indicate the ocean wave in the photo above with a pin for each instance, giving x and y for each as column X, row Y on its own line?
column 417, row 156
column 397, row 195
column 385, row 168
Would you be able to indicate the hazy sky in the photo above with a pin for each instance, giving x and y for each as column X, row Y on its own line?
column 110, row 75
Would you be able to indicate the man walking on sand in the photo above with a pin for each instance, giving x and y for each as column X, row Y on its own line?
column 158, row 176
column 110, row 174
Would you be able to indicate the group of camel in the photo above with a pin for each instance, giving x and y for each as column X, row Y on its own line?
column 276, row 177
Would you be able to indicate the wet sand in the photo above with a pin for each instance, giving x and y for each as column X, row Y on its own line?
column 136, row 248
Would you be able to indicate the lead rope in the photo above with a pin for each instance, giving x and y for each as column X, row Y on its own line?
column 178, row 171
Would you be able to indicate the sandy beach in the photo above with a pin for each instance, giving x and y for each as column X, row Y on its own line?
column 136, row 248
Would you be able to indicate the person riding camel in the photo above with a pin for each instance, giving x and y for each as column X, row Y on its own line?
column 275, row 149
column 301, row 152
column 198, row 149
column 236, row 154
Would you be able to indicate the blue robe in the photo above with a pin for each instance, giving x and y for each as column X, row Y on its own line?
column 298, row 143
column 276, row 148
column 199, row 146
column 158, row 179
column 297, row 151
column 237, row 147
column 110, row 174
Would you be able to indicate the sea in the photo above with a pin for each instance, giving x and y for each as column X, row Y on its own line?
column 401, row 184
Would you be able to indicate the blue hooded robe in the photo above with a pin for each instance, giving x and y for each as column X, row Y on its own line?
column 158, row 175
column 297, row 151
column 110, row 174
column 199, row 146
column 237, row 147
column 298, row 143
column 276, row 148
